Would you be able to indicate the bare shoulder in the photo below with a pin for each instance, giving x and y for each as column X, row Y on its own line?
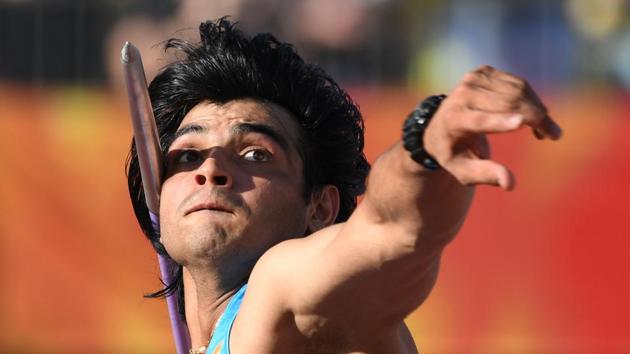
column 276, row 258
column 279, row 314
column 266, row 321
column 281, row 269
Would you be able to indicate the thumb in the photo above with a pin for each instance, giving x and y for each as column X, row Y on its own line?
column 472, row 171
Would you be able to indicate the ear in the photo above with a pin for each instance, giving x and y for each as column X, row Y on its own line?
column 323, row 208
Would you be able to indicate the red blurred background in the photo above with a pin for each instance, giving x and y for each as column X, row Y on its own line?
column 542, row 269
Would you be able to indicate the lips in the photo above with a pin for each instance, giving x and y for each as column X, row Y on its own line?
column 210, row 206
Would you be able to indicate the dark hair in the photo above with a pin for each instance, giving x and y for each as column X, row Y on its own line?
column 226, row 65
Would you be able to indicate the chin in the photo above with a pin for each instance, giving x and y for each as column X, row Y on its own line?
column 205, row 243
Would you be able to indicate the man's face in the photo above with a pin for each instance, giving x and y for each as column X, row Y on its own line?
column 233, row 185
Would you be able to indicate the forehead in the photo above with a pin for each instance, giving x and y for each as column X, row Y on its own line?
column 222, row 116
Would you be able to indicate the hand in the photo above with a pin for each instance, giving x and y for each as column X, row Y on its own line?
column 486, row 101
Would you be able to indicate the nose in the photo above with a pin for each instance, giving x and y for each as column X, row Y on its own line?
column 213, row 171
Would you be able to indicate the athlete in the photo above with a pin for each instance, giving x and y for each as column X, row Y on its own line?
column 258, row 206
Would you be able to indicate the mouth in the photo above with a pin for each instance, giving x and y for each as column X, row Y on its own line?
column 210, row 207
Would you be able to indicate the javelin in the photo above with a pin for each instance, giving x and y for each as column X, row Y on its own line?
column 150, row 161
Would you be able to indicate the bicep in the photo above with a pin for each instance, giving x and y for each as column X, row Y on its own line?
column 372, row 276
column 356, row 275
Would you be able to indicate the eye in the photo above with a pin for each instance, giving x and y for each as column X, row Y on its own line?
column 188, row 156
column 257, row 155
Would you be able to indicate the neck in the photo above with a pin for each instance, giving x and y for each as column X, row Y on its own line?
column 205, row 297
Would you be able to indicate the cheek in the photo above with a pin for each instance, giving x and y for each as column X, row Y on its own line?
column 281, row 208
column 277, row 191
column 170, row 197
column 168, row 194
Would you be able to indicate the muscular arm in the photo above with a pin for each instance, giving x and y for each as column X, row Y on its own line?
column 382, row 263
column 365, row 276
column 425, row 208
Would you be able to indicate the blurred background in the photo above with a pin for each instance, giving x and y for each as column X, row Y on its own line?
column 542, row 269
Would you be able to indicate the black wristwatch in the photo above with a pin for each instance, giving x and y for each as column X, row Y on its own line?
column 413, row 131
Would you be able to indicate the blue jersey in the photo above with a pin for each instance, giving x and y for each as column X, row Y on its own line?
column 220, row 342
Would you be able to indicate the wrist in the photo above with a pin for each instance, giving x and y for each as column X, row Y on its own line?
column 414, row 128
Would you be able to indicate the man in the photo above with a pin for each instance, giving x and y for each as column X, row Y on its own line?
column 264, row 163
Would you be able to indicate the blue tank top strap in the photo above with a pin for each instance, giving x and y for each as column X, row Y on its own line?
column 220, row 342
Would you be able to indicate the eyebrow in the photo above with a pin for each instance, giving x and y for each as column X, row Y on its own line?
column 189, row 129
column 238, row 129
column 270, row 132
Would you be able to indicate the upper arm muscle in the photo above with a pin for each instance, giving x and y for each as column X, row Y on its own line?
column 354, row 275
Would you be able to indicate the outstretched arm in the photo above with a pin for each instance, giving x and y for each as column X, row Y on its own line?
column 432, row 205
column 368, row 274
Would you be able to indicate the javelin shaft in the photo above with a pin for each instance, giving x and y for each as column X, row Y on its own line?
column 144, row 129
column 150, row 160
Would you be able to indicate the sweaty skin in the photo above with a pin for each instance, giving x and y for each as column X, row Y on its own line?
column 232, row 205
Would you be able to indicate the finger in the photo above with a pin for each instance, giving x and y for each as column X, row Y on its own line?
column 538, row 134
column 536, row 116
column 487, row 100
column 470, row 171
column 481, row 122
column 487, row 79
column 493, row 73
column 491, row 101
column 492, row 90
column 550, row 128
column 533, row 114
column 542, row 124
column 493, row 79
column 532, row 108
